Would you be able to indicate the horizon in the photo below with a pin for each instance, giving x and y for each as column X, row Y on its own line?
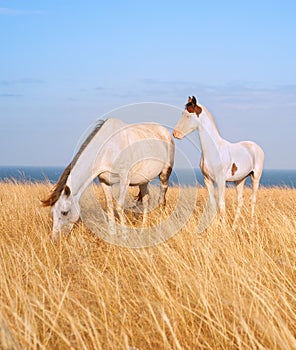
column 178, row 168
column 179, row 176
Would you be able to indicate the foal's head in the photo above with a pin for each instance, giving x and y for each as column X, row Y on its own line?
column 189, row 120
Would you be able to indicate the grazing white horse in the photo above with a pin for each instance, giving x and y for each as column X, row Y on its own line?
column 128, row 154
column 221, row 160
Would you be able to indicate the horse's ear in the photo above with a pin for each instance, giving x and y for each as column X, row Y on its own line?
column 67, row 191
column 197, row 109
column 193, row 100
column 189, row 99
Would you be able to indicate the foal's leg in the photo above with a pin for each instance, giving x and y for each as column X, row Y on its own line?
column 240, row 200
column 255, row 185
column 164, row 182
column 211, row 207
column 110, row 212
column 211, row 191
column 221, row 198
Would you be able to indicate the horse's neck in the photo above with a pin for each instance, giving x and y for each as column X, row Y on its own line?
column 83, row 172
column 210, row 138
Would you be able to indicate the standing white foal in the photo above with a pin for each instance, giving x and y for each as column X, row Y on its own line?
column 221, row 160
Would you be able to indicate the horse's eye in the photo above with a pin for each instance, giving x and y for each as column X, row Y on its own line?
column 65, row 213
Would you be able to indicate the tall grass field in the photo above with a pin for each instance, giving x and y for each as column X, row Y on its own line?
column 222, row 289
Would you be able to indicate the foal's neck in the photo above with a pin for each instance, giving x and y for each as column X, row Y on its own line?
column 209, row 135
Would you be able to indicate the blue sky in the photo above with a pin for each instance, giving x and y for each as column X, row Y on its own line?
column 64, row 64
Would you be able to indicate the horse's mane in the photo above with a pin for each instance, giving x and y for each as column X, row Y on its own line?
column 60, row 185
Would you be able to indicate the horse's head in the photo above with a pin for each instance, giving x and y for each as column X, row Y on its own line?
column 65, row 211
column 189, row 120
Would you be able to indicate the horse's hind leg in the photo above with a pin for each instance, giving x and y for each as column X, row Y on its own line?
column 144, row 198
column 240, row 200
column 164, row 183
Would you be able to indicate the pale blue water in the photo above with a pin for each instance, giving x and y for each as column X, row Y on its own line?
column 283, row 178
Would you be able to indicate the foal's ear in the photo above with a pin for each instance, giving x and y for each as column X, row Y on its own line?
column 189, row 99
column 193, row 100
column 67, row 191
column 197, row 110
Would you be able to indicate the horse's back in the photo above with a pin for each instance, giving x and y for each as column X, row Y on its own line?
column 150, row 131
column 137, row 151
column 135, row 132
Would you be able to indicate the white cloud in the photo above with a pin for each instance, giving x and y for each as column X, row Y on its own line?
column 23, row 81
column 6, row 11
column 238, row 94
column 9, row 95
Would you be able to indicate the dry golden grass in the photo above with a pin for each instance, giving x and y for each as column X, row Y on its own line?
column 223, row 289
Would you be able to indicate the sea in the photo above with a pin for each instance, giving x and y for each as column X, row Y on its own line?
column 179, row 177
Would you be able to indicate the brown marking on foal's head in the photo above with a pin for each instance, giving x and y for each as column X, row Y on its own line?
column 192, row 107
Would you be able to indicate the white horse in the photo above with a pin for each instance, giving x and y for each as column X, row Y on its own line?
column 221, row 160
column 128, row 154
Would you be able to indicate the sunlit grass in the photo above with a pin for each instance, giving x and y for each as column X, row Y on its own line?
column 223, row 289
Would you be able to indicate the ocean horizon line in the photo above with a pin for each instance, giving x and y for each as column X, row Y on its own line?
column 179, row 176
column 179, row 168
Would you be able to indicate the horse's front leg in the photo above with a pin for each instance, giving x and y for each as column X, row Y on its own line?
column 110, row 212
column 124, row 183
